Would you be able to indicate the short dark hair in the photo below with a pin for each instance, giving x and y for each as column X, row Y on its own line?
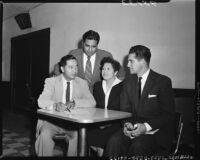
column 115, row 64
column 91, row 35
column 64, row 59
column 141, row 52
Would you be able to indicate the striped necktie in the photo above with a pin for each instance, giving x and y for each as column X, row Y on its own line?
column 88, row 71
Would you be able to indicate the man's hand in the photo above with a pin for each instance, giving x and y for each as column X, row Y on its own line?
column 59, row 107
column 140, row 128
column 70, row 105
column 128, row 127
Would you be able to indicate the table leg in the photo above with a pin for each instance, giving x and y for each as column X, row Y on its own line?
column 82, row 147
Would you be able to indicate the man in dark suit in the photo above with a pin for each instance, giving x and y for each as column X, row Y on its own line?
column 92, row 56
column 151, row 101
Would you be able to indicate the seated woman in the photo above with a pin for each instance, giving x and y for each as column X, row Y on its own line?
column 107, row 96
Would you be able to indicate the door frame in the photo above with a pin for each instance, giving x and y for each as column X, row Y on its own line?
column 13, row 61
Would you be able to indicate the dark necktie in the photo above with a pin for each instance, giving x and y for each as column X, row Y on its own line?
column 139, row 87
column 88, row 71
column 68, row 92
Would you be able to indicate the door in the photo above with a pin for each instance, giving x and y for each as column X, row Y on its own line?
column 29, row 67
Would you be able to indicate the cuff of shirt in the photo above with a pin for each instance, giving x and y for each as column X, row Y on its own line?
column 50, row 108
column 148, row 127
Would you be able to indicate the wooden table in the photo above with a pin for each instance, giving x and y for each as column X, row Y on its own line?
column 85, row 116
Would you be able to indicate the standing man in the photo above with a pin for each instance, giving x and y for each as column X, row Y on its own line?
column 89, row 58
column 149, row 97
column 62, row 93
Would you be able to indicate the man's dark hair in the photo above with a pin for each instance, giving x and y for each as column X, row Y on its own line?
column 63, row 60
column 91, row 35
column 115, row 64
column 141, row 52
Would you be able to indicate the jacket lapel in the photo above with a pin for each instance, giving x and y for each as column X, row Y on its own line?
column 148, row 85
column 134, row 93
column 96, row 67
column 59, row 88
column 80, row 65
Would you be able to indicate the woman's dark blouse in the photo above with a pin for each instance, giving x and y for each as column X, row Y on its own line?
column 114, row 97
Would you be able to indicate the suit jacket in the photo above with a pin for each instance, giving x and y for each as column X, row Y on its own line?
column 114, row 97
column 100, row 54
column 53, row 91
column 156, row 106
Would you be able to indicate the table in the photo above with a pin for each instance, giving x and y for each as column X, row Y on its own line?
column 85, row 116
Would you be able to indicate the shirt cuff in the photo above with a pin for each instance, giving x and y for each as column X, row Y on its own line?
column 148, row 127
column 50, row 108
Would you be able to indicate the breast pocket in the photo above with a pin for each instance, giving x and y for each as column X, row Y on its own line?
column 151, row 104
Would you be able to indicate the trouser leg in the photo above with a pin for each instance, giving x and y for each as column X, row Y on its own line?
column 117, row 144
column 142, row 145
column 44, row 144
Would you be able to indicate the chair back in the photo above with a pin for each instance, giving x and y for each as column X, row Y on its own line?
column 178, row 130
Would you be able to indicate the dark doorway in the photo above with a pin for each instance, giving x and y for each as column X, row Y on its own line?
column 29, row 67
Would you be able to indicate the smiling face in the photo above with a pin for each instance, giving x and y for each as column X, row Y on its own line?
column 90, row 46
column 70, row 70
column 108, row 71
column 135, row 65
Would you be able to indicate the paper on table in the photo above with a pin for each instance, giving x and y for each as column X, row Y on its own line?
column 79, row 111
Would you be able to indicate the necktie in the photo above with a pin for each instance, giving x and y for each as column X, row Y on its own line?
column 139, row 87
column 68, row 92
column 88, row 71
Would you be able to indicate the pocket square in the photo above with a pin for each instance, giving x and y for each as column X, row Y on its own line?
column 152, row 95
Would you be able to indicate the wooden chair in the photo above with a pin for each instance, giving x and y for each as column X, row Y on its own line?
column 60, row 140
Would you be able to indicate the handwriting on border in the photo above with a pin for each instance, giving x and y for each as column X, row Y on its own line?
column 138, row 3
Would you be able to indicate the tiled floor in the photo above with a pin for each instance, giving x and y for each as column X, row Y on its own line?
column 17, row 136
column 15, row 144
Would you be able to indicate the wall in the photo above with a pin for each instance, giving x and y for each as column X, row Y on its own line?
column 168, row 29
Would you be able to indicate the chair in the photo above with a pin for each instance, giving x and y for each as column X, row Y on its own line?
column 60, row 139
column 178, row 132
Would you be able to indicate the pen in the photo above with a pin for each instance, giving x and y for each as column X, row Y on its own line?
column 67, row 109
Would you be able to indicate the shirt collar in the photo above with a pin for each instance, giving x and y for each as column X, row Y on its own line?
column 145, row 75
column 85, row 55
column 116, row 81
column 64, row 80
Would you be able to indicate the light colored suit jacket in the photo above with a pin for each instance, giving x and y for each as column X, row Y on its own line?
column 53, row 91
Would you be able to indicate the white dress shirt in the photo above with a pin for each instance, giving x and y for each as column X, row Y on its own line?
column 92, row 60
column 107, row 93
column 143, row 81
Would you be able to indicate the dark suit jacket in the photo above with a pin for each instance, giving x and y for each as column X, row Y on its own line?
column 156, row 106
column 114, row 97
column 100, row 54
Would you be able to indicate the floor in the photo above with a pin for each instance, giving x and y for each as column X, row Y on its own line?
column 17, row 141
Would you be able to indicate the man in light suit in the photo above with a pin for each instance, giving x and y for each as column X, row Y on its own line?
column 90, row 41
column 151, row 102
column 54, row 97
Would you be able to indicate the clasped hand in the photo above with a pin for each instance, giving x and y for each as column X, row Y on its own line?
column 135, row 130
column 60, row 107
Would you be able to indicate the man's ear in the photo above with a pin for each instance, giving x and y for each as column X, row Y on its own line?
column 116, row 73
column 62, row 69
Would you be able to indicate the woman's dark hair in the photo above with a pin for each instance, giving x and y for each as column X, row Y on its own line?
column 115, row 64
